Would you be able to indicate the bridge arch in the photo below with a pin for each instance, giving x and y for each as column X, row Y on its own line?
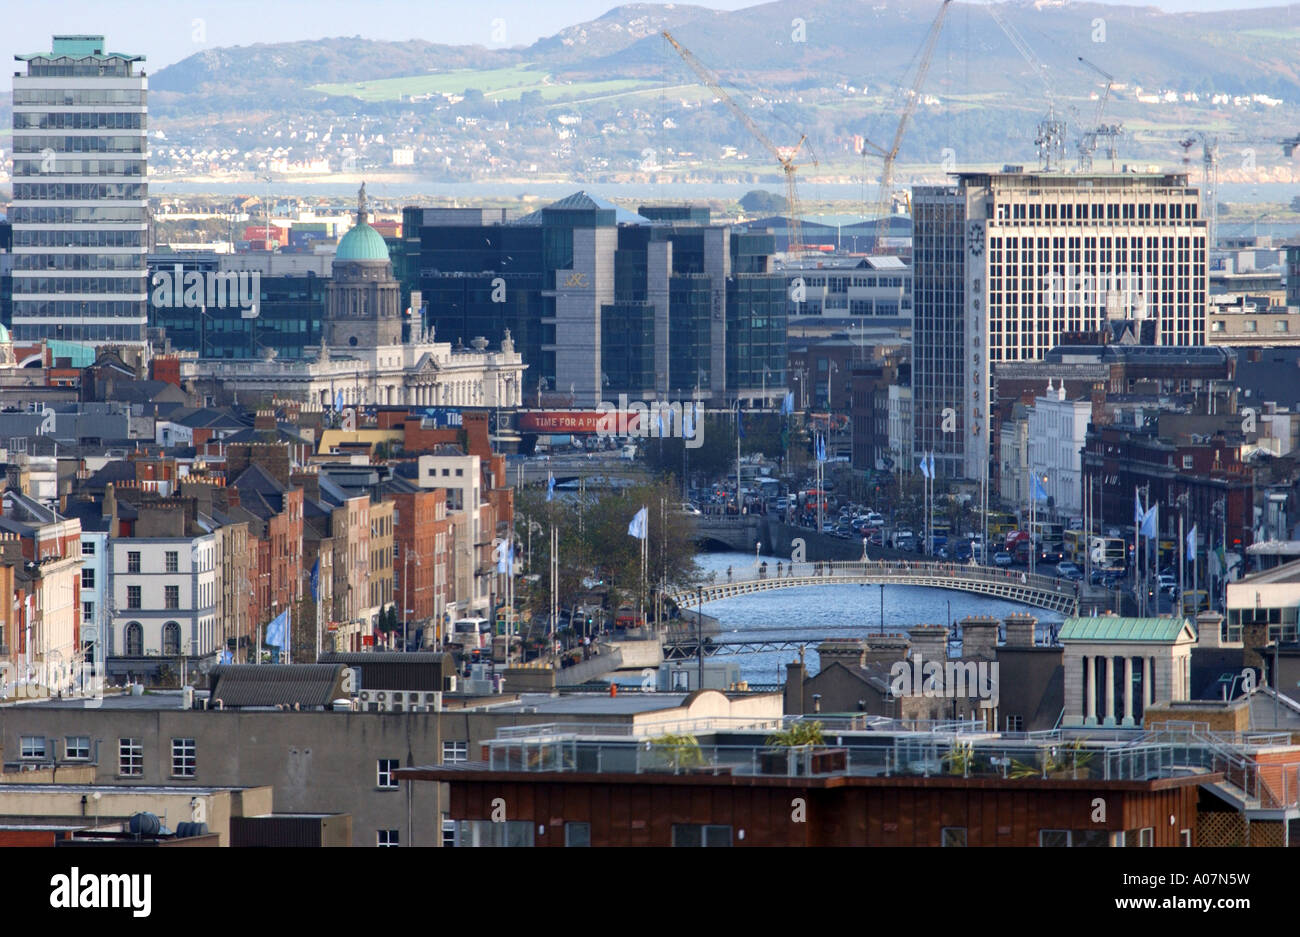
column 1045, row 592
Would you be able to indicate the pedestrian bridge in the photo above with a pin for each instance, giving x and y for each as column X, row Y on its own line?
column 1047, row 592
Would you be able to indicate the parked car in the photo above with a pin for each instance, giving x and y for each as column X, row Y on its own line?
column 1002, row 558
column 1068, row 570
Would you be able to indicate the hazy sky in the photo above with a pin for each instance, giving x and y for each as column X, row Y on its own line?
column 166, row 31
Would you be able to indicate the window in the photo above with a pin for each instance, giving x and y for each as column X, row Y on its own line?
column 134, row 639
column 577, row 834
column 87, row 612
column 172, row 596
column 183, row 758
column 386, row 768
column 171, row 639
column 130, row 758
column 386, row 838
column 1251, row 326
column 1053, row 837
column 88, row 578
column 132, row 596
column 87, row 548
column 487, row 833
column 133, row 561
column 32, row 746
column 448, row 832
column 1188, row 462
column 954, row 836
column 1280, row 325
column 76, row 748
column 696, row 834
column 455, row 753
column 173, row 561
column 1015, row 723
column 1216, row 326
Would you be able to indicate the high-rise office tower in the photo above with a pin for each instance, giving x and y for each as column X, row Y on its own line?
column 80, row 209
column 1007, row 263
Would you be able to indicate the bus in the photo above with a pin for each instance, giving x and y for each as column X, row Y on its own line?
column 1076, row 546
column 999, row 524
column 1047, row 533
column 1109, row 552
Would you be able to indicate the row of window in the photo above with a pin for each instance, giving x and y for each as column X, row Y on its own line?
column 1068, row 211
column 85, row 214
column 79, row 120
column 130, row 285
column 78, row 167
column 82, row 237
column 126, row 332
column 81, row 97
column 130, row 753
column 40, row 143
column 134, row 262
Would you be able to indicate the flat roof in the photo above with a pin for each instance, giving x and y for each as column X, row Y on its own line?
column 1287, row 572
column 624, row 704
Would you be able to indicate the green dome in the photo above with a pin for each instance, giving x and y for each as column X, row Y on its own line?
column 362, row 243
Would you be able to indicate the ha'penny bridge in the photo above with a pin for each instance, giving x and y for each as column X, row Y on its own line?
column 1045, row 592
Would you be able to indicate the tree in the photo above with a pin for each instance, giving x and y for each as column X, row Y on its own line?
column 761, row 202
column 594, row 543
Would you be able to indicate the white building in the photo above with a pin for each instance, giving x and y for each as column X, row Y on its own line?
column 80, row 196
column 1005, row 264
column 900, row 427
column 94, row 580
column 164, row 597
column 1057, row 429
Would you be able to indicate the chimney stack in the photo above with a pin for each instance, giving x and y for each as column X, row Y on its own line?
column 979, row 636
column 931, row 641
column 1020, row 629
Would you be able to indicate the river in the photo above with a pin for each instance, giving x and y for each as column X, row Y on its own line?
column 841, row 611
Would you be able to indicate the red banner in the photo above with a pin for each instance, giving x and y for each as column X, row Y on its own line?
column 588, row 422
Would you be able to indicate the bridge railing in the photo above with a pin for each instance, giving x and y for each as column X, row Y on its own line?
column 895, row 569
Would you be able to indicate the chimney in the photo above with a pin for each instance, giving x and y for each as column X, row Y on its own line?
column 109, row 509
column 979, row 636
column 930, row 641
column 1209, row 631
column 1020, row 629
column 850, row 652
column 886, row 649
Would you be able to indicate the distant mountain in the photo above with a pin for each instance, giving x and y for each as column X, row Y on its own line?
column 865, row 43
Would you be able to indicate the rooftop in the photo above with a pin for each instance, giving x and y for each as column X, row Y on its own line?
column 1112, row 628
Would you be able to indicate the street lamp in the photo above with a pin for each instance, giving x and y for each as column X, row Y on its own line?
column 406, row 589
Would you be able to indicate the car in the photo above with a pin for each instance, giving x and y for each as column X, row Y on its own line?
column 688, row 508
column 1002, row 558
column 1068, row 570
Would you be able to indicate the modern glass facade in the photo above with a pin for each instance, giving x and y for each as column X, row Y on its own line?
column 80, row 213
column 651, row 288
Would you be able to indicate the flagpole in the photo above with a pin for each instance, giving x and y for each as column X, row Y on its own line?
column 1196, row 602
column 1182, row 563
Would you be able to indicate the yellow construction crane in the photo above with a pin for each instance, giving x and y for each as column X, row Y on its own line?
column 784, row 155
column 908, row 108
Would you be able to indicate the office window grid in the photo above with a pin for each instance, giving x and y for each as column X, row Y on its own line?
column 130, row 758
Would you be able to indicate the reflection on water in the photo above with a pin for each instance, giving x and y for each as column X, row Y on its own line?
column 838, row 611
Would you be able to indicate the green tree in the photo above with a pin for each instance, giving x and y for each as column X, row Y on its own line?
column 762, row 202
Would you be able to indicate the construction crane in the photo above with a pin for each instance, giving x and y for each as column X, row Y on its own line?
column 1091, row 137
column 785, row 156
column 885, row 200
column 1209, row 181
column 1049, row 137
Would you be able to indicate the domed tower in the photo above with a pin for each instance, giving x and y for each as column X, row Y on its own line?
column 362, row 298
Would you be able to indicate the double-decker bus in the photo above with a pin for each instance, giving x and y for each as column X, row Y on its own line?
column 1076, row 546
column 1109, row 552
column 999, row 524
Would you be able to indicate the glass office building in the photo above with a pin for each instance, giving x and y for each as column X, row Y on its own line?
column 80, row 213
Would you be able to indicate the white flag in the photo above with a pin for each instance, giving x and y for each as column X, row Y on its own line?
column 638, row 526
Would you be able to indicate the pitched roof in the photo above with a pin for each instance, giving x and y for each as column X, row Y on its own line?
column 1112, row 628
column 308, row 685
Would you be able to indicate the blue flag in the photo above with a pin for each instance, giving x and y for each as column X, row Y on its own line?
column 1191, row 544
column 277, row 632
column 1040, row 493
column 338, row 400
column 787, row 405
column 226, row 657
column 315, row 580
column 1150, row 520
column 821, row 448
column 506, row 557
column 1138, row 513
column 638, row 526
column 688, row 421
column 550, row 486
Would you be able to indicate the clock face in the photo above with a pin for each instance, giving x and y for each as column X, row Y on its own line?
column 975, row 238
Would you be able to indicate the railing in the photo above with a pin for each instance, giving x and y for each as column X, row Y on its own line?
column 791, row 575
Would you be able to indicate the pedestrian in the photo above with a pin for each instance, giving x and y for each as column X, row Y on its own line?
column 728, row 574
